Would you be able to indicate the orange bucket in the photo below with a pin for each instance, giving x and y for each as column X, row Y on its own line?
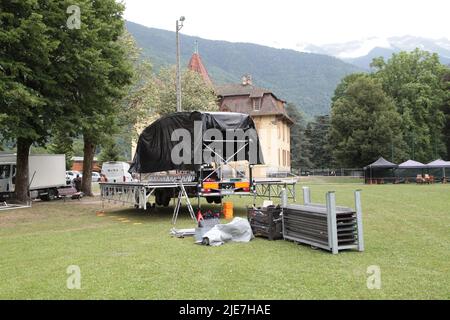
column 228, row 210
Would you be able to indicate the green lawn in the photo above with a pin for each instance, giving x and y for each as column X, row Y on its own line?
column 407, row 234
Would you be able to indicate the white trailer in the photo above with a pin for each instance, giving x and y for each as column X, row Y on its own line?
column 47, row 173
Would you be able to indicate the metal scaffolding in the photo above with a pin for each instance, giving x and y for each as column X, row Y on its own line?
column 273, row 188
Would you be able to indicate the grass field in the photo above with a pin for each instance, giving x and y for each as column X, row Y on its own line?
column 129, row 254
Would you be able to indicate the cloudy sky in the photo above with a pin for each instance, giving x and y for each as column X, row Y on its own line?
column 291, row 23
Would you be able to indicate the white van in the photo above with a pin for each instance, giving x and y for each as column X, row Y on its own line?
column 116, row 171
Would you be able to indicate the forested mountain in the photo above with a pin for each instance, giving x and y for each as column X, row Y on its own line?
column 306, row 79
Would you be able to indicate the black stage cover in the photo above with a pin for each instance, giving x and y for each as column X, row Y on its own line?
column 155, row 145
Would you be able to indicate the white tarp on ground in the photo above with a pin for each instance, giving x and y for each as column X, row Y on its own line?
column 238, row 230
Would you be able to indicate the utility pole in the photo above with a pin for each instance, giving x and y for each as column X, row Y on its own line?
column 392, row 149
column 179, row 25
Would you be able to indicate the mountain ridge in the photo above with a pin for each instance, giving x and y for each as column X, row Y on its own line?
column 305, row 79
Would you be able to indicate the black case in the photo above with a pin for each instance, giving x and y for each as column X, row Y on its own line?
column 266, row 222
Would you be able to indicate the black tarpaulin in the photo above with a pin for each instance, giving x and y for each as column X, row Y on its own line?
column 155, row 144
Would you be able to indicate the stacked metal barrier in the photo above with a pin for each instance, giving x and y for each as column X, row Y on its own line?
column 329, row 227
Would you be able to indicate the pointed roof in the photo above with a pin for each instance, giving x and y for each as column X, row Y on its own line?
column 439, row 163
column 196, row 64
column 411, row 164
column 381, row 163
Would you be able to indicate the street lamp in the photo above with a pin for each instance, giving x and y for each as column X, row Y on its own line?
column 179, row 25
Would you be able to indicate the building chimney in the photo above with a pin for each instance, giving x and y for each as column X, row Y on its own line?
column 246, row 80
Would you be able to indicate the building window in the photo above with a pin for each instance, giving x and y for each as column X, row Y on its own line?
column 256, row 104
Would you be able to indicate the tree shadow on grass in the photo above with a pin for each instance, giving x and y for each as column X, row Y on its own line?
column 158, row 213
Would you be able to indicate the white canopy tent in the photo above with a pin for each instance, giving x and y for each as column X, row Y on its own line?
column 438, row 164
column 411, row 164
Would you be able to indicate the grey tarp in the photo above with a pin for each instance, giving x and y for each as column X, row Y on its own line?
column 238, row 230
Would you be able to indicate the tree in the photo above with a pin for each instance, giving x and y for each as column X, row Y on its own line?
column 54, row 76
column 110, row 151
column 299, row 143
column 29, row 98
column 343, row 85
column 316, row 135
column 365, row 125
column 414, row 81
column 62, row 143
column 195, row 94
column 101, row 82
column 446, row 110
column 141, row 99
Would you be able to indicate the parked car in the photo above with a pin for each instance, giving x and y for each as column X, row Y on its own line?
column 95, row 177
column 72, row 174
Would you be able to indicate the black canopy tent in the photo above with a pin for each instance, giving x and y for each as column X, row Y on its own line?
column 379, row 170
column 155, row 144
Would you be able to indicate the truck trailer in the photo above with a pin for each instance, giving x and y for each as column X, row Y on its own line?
column 46, row 175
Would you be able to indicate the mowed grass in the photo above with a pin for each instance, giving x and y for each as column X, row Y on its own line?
column 129, row 254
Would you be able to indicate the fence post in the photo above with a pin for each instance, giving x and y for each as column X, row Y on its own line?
column 306, row 195
column 359, row 220
column 284, row 199
column 332, row 224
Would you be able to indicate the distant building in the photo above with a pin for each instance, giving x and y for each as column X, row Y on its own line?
column 196, row 64
column 270, row 117
column 77, row 164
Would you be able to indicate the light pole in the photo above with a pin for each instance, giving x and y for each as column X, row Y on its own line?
column 179, row 25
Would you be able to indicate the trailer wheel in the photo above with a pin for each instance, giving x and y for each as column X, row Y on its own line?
column 209, row 200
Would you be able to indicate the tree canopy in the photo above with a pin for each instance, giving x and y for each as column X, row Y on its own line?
column 365, row 124
column 414, row 81
column 399, row 111
column 300, row 146
column 56, row 72
column 196, row 95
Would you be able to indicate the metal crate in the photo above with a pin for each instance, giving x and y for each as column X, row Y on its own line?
column 266, row 222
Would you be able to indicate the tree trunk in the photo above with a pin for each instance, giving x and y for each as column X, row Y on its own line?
column 88, row 158
column 22, row 177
